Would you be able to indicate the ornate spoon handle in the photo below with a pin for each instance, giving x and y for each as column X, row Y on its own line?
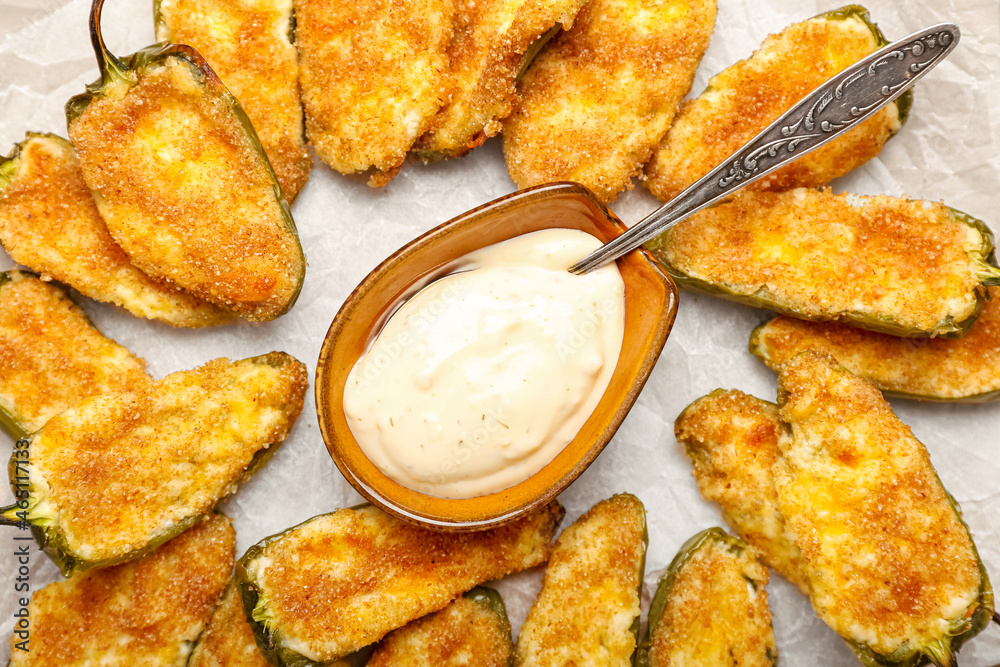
column 835, row 107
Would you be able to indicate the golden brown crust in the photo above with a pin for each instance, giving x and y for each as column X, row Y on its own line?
column 146, row 612
column 50, row 223
column 485, row 55
column 745, row 98
column 466, row 633
column 886, row 555
column 874, row 260
column 120, row 470
column 372, row 76
column 938, row 368
column 386, row 573
column 717, row 613
column 228, row 640
column 572, row 124
column 186, row 194
column 247, row 44
column 732, row 439
column 590, row 597
column 52, row 357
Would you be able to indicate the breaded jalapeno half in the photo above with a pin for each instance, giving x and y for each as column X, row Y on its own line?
column 710, row 608
column 116, row 476
column 472, row 630
column 50, row 223
column 493, row 44
column 340, row 581
column 372, row 78
column 146, row 612
column 890, row 564
column 744, row 99
column 732, row 439
column 588, row 609
column 182, row 181
column 903, row 267
column 571, row 124
column 249, row 45
column 965, row 369
column 52, row 356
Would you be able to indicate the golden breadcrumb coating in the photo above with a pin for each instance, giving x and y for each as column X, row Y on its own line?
column 590, row 598
column 887, row 557
column 52, row 357
column 745, row 98
column 469, row 632
column 343, row 580
column 942, row 369
column 186, row 193
column 492, row 41
column 146, row 612
column 596, row 102
column 228, row 640
column 880, row 262
column 717, row 612
column 117, row 472
column 50, row 223
column 372, row 76
column 732, row 439
column 249, row 46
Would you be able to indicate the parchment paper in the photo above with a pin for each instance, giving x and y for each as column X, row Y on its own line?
column 949, row 150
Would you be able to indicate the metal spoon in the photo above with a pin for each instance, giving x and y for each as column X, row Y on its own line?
column 838, row 105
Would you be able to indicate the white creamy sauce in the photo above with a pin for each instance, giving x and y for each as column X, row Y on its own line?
column 481, row 378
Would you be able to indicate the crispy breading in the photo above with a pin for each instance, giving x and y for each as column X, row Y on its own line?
column 472, row 631
column 887, row 557
column 116, row 475
column 52, row 356
column 588, row 608
column 372, row 77
column 50, row 223
column 249, row 46
column 732, row 439
column 341, row 581
column 493, row 39
column 185, row 190
column 896, row 265
column 600, row 97
column 941, row 369
column 147, row 612
column 745, row 98
column 228, row 640
column 715, row 610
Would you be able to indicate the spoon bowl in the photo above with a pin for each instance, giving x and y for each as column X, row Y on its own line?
column 650, row 307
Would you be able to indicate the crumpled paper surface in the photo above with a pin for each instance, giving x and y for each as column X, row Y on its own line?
column 949, row 150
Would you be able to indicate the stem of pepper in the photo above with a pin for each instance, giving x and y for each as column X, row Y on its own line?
column 111, row 68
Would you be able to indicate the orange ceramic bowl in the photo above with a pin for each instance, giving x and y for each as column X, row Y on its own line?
column 650, row 307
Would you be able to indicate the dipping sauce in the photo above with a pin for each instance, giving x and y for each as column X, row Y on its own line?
column 484, row 376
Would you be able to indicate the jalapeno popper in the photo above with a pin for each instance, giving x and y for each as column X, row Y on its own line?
column 744, row 99
column 343, row 580
column 571, row 125
column 588, row 609
column 907, row 268
column 890, row 564
column 116, row 476
column 50, row 223
column 182, row 182
column 52, row 356
column 941, row 369
column 372, row 78
column 148, row 612
column 710, row 608
column 472, row 630
column 732, row 439
column 492, row 44
column 249, row 45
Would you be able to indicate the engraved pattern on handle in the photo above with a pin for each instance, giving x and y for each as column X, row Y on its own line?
column 845, row 100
